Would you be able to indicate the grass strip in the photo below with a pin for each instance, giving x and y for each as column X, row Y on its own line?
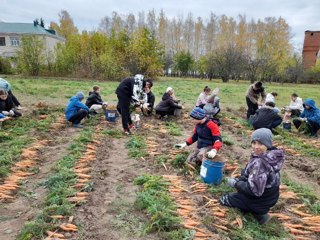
column 137, row 147
column 155, row 199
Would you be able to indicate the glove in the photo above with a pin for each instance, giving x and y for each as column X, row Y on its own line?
column 231, row 181
column 180, row 146
column 212, row 153
column 11, row 113
column 303, row 119
column 145, row 105
column 5, row 113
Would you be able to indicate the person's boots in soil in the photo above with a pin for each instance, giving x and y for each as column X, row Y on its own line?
column 262, row 219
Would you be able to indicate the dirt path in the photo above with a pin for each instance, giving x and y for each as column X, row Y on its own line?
column 31, row 194
column 109, row 212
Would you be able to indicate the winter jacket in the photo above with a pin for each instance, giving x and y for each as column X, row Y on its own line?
column 212, row 107
column 202, row 99
column 74, row 106
column 207, row 134
column 6, row 105
column 94, row 98
column 264, row 117
column 313, row 113
column 297, row 104
column 167, row 104
column 131, row 89
column 258, row 185
column 151, row 100
column 253, row 94
column 5, row 85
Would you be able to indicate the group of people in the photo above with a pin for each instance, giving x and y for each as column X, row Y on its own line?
column 265, row 114
column 9, row 104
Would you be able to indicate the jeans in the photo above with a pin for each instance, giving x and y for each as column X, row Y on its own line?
column 123, row 108
column 252, row 107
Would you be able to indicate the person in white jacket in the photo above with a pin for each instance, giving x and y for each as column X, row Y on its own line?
column 296, row 105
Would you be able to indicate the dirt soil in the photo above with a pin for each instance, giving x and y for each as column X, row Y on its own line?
column 31, row 194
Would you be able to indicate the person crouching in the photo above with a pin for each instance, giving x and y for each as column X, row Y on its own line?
column 206, row 134
column 76, row 110
column 258, row 186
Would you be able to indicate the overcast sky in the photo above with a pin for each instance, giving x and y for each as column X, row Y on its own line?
column 301, row 15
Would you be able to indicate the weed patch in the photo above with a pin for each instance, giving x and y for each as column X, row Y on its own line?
column 137, row 147
column 173, row 128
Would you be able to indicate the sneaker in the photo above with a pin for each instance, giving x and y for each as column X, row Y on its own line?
column 262, row 219
column 19, row 108
column 77, row 125
column 127, row 132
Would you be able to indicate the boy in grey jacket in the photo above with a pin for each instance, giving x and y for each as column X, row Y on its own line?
column 258, row 186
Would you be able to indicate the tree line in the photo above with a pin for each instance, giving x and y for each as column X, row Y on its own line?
column 153, row 44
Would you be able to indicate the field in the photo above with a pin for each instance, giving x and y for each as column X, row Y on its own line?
column 57, row 182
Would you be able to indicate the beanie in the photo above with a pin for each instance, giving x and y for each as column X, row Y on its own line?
column 80, row 95
column 264, row 136
column 198, row 113
column 169, row 89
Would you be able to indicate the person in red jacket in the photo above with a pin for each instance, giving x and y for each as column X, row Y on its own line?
column 207, row 135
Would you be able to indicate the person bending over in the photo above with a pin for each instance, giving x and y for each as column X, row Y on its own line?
column 76, row 110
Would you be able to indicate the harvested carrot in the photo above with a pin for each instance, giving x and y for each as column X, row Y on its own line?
column 68, row 227
column 219, row 214
column 79, row 185
column 298, row 232
column 239, row 221
column 294, row 225
column 54, row 234
column 300, row 213
column 83, row 180
column 314, row 229
column 57, row 216
column 82, row 194
column 280, row 216
column 82, row 175
column 186, row 207
column 76, row 199
column 82, row 170
column 220, row 227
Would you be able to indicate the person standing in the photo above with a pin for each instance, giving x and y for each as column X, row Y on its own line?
column 76, row 110
column 131, row 90
column 252, row 98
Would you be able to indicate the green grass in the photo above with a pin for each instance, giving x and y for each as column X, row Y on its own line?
column 173, row 128
column 59, row 189
column 154, row 198
column 137, row 147
column 57, row 91
column 115, row 133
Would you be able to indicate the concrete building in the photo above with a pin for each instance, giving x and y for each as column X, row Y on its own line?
column 311, row 48
column 11, row 33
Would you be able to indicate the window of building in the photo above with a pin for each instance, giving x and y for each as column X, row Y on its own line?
column 14, row 41
column 2, row 41
column 311, row 34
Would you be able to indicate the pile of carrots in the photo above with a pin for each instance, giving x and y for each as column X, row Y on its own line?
column 19, row 170
column 186, row 207
column 59, row 123
column 67, row 227
column 152, row 146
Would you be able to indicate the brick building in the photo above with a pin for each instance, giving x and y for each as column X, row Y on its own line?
column 311, row 47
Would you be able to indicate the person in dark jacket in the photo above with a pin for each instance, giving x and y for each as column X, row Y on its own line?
column 168, row 105
column 7, row 107
column 6, row 86
column 76, row 110
column 252, row 98
column 266, row 117
column 94, row 101
column 310, row 115
column 258, row 186
column 131, row 91
column 207, row 135
column 147, row 108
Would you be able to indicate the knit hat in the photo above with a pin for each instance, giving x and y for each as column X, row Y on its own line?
column 198, row 113
column 264, row 136
column 80, row 95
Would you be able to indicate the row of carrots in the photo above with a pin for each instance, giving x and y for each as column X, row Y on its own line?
column 82, row 170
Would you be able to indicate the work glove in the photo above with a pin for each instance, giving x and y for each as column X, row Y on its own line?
column 6, row 113
column 145, row 105
column 231, row 181
column 212, row 153
column 180, row 146
column 303, row 119
column 11, row 113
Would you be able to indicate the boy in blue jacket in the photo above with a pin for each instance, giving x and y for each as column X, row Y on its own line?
column 310, row 115
column 76, row 110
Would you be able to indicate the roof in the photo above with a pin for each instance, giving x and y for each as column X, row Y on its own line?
column 26, row 28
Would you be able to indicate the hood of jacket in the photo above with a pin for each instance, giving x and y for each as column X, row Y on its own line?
column 165, row 97
column 275, row 157
column 74, row 99
column 310, row 102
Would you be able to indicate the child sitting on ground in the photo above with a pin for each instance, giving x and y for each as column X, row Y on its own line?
column 94, row 101
column 258, row 186
column 7, row 107
column 207, row 134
